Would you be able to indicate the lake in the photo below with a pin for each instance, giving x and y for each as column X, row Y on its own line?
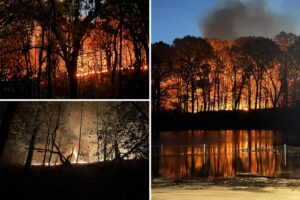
column 224, row 153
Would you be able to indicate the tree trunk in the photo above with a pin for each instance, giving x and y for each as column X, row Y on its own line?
column 59, row 143
column 79, row 142
column 32, row 142
column 137, row 53
column 260, row 93
column 108, row 59
column 49, row 70
column 38, row 80
column 30, row 152
column 186, row 100
column 72, row 75
column 121, row 48
column 204, row 99
column 193, row 95
column 249, row 95
column 53, row 138
column 47, row 141
column 115, row 62
column 7, row 119
column 256, row 93
column 234, row 88
column 105, row 147
column 116, row 149
column 73, row 86
column 218, row 93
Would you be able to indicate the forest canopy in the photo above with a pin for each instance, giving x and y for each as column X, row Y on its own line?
column 250, row 73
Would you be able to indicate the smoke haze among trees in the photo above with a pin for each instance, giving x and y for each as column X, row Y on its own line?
column 74, row 132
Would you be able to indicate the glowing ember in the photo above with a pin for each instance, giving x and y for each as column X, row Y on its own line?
column 145, row 67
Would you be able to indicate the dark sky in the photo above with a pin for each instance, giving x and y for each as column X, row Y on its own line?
column 177, row 18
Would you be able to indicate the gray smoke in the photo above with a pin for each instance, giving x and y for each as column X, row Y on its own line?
column 235, row 18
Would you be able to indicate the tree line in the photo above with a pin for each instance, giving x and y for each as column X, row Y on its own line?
column 196, row 75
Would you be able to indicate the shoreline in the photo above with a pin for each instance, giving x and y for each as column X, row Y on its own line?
column 268, row 119
column 269, row 188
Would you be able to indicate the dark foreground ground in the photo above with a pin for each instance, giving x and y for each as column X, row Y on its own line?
column 268, row 119
column 89, row 87
column 115, row 180
column 230, row 188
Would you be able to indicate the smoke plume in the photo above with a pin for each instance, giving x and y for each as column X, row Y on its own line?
column 236, row 18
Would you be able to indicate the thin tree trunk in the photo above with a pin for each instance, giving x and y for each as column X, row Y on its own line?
column 186, row 103
column 71, row 65
column 53, row 138
column 98, row 132
column 49, row 70
column 256, row 93
column 59, row 143
column 204, row 99
column 108, row 59
column 116, row 149
column 32, row 142
column 105, row 147
column 121, row 48
column 218, row 93
column 249, row 95
column 193, row 95
column 47, row 141
column 137, row 53
column 234, row 88
column 40, row 63
column 79, row 142
column 6, row 122
column 260, row 93
column 115, row 62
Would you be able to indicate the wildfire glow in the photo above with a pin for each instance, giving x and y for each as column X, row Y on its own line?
column 90, row 57
column 75, row 155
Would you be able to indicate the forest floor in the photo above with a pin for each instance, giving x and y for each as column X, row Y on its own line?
column 114, row 180
column 89, row 87
column 232, row 188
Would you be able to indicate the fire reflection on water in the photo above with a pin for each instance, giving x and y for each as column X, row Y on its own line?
column 226, row 153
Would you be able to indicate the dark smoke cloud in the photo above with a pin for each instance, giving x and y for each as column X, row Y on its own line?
column 236, row 18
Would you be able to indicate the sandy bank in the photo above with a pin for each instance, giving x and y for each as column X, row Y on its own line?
column 252, row 188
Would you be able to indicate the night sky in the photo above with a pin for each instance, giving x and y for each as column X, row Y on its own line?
column 177, row 18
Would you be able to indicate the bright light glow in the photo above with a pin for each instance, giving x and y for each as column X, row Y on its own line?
column 46, row 164
column 86, row 73
column 75, row 154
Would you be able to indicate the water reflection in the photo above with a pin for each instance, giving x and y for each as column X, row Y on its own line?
column 225, row 153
